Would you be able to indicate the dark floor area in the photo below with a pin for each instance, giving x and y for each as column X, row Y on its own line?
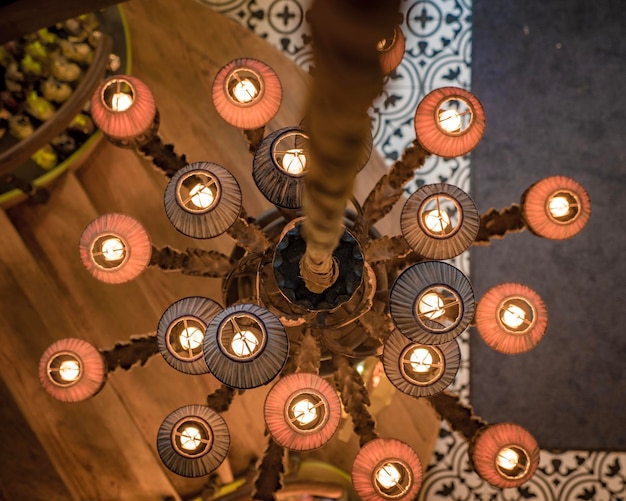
column 552, row 78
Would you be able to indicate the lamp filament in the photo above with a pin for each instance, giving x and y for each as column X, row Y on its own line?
column 294, row 161
column 450, row 120
column 121, row 101
column 431, row 305
column 437, row 220
column 201, row 196
column 244, row 91
column 190, row 438
column 421, row 360
column 244, row 343
column 304, row 412
column 69, row 370
column 513, row 316
column 388, row 476
column 191, row 338
column 112, row 249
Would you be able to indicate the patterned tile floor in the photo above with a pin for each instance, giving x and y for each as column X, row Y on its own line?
column 438, row 53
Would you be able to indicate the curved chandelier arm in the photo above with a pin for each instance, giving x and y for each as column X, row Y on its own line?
column 390, row 187
column 269, row 479
column 194, row 262
column 221, row 398
column 254, row 138
column 499, row 223
column 460, row 416
column 163, row 155
column 249, row 236
column 309, row 354
column 354, row 398
column 386, row 249
column 137, row 350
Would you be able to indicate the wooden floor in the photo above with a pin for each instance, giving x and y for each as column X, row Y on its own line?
column 105, row 448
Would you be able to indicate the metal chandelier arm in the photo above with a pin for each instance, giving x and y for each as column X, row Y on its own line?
column 499, row 223
column 348, row 77
column 460, row 416
column 194, row 262
column 390, row 187
column 137, row 350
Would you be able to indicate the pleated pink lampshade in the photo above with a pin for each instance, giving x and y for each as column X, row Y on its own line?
column 123, row 107
column 115, row 248
column 247, row 93
column 391, row 51
column 511, row 318
column 302, row 412
column 556, row 207
column 430, row 125
column 71, row 370
column 505, row 455
column 386, row 468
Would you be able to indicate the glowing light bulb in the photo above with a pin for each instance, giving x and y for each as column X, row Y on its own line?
column 244, row 343
column 121, row 101
column 388, row 476
column 513, row 316
column 191, row 338
column 294, row 161
column 69, row 370
column 201, row 196
column 304, row 411
column 431, row 305
column 190, row 438
column 450, row 120
column 437, row 220
column 508, row 459
column 245, row 91
column 559, row 207
column 113, row 249
column 421, row 360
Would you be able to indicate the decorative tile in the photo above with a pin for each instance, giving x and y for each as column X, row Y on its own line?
column 438, row 53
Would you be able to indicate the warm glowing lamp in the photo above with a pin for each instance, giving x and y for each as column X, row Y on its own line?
column 439, row 221
column 279, row 166
column 245, row 346
column 511, row 318
column 420, row 370
column 193, row 441
column 556, row 207
column 115, row 248
column 449, row 122
column 202, row 200
column 302, row 411
column 505, row 455
column 391, row 50
column 247, row 93
column 386, row 469
column 71, row 370
column 431, row 302
column 180, row 333
column 124, row 109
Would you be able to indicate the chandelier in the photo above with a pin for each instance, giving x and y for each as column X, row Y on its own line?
column 311, row 286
